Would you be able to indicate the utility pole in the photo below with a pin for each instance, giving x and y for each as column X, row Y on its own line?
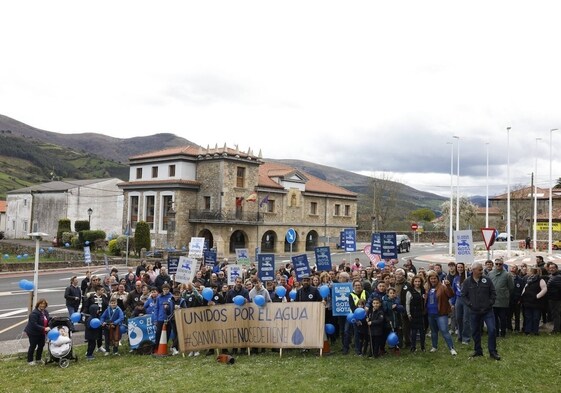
column 530, row 225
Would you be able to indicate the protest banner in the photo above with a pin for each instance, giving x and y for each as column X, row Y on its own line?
column 186, row 270
column 196, row 247
column 141, row 329
column 242, row 256
column 266, row 267
column 277, row 325
column 234, row 271
column 340, row 298
column 323, row 258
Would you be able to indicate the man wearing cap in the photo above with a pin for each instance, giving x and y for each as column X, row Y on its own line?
column 504, row 285
column 307, row 293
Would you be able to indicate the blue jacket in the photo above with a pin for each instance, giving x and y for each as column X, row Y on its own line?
column 164, row 308
column 150, row 306
column 112, row 316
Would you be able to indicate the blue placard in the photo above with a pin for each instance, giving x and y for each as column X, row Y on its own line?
column 173, row 261
column 209, row 258
column 266, row 267
column 340, row 298
column 376, row 244
column 141, row 329
column 301, row 266
column 291, row 235
column 350, row 239
column 389, row 245
column 323, row 258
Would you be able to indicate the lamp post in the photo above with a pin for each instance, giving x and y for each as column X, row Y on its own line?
column 535, row 232
column 487, row 188
column 450, row 232
column 550, row 234
column 458, row 186
column 90, row 211
column 37, row 236
column 508, row 245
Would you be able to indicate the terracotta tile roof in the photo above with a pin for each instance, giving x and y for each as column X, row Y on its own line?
column 313, row 184
column 3, row 206
column 192, row 151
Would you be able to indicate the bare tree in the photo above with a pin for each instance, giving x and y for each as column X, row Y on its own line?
column 384, row 201
column 468, row 215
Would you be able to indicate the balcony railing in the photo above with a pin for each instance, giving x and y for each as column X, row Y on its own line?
column 224, row 216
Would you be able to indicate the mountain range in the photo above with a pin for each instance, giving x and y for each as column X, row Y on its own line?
column 29, row 155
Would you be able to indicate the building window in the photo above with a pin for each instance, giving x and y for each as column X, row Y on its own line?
column 271, row 206
column 134, row 211
column 207, row 203
column 313, row 208
column 240, row 177
column 13, row 225
column 149, row 211
column 337, row 210
column 171, row 171
column 25, row 202
column 139, row 173
column 154, row 172
column 347, row 210
column 167, row 205
column 25, row 226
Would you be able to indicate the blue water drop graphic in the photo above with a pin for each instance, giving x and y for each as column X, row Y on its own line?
column 133, row 335
column 297, row 337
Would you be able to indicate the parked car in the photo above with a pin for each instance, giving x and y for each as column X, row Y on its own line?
column 556, row 245
column 503, row 237
column 403, row 243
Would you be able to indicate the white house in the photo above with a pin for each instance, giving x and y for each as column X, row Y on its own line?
column 38, row 208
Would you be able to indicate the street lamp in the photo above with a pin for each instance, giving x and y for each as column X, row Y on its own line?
column 487, row 189
column 450, row 232
column 458, row 186
column 90, row 211
column 508, row 245
column 550, row 234
column 37, row 236
column 535, row 233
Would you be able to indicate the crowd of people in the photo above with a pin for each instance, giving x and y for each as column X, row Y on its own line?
column 414, row 303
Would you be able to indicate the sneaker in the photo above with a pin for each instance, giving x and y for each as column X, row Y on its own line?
column 116, row 354
column 191, row 353
column 174, row 352
column 196, row 354
column 40, row 362
column 101, row 349
column 32, row 363
column 433, row 350
column 90, row 358
column 494, row 355
column 475, row 355
column 465, row 342
column 453, row 352
column 106, row 353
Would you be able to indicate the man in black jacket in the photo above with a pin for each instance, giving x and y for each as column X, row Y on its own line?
column 554, row 292
column 73, row 296
column 479, row 295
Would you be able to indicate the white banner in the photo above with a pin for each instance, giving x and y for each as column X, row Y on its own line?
column 186, row 270
column 242, row 256
column 234, row 271
column 464, row 246
column 196, row 247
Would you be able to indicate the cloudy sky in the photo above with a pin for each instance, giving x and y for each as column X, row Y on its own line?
column 375, row 87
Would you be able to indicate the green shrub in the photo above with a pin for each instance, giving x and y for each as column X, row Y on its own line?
column 75, row 242
column 67, row 237
column 141, row 236
column 122, row 241
column 63, row 226
column 81, row 225
column 114, row 247
column 91, row 236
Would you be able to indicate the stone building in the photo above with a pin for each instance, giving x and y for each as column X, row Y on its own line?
column 233, row 199
column 38, row 208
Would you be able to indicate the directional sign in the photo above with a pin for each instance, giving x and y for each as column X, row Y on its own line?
column 291, row 235
column 489, row 235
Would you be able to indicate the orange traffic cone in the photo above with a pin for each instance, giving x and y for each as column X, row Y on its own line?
column 162, row 349
column 326, row 347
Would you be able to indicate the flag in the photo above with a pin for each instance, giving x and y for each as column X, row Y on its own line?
column 239, row 201
column 264, row 201
column 251, row 198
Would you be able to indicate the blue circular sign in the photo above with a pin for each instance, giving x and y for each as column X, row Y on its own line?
column 291, row 235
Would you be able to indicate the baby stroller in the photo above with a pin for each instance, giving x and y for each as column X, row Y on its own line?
column 61, row 350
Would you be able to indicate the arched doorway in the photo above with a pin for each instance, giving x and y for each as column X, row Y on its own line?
column 209, row 239
column 238, row 239
column 311, row 240
column 268, row 241
column 294, row 245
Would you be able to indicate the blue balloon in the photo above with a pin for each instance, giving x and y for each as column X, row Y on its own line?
column 292, row 294
column 324, row 291
column 29, row 286
column 6, row 256
column 259, row 300
column 208, row 293
column 25, row 256
column 359, row 313
column 280, row 291
column 183, row 248
column 23, row 284
column 75, row 317
column 239, row 300
column 329, row 329
column 381, row 265
column 392, row 339
column 67, row 245
column 123, row 329
column 95, row 323
column 53, row 334
column 351, row 318
column 18, row 257
column 50, row 249
column 41, row 251
column 87, row 243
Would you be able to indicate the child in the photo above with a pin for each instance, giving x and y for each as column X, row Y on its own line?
column 392, row 309
column 111, row 321
column 415, row 306
column 92, row 336
column 61, row 345
column 376, row 321
column 362, row 331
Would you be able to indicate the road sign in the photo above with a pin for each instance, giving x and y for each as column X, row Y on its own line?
column 414, row 226
column 291, row 235
column 489, row 235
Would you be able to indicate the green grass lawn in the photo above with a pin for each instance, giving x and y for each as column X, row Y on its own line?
column 529, row 364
